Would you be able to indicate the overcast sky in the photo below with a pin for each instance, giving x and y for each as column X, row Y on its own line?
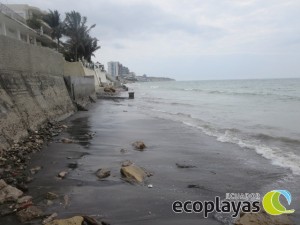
column 194, row 39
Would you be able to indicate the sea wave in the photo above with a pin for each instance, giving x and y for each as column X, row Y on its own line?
column 278, row 156
column 274, row 138
column 158, row 101
column 236, row 93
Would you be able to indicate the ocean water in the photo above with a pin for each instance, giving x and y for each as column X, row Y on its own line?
column 258, row 115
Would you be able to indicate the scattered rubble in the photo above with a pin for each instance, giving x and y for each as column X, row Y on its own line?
column 109, row 89
column 194, row 186
column 90, row 135
column 103, row 173
column 126, row 163
column 13, row 160
column 24, row 199
column 184, row 166
column 73, row 165
column 262, row 218
column 51, row 196
column 133, row 173
column 67, row 141
column 30, row 213
column 139, row 145
column 81, row 105
column 123, row 150
column 62, row 174
column 36, row 169
column 77, row 220
column 49, row 202
column 66, row 201
column 50, row 218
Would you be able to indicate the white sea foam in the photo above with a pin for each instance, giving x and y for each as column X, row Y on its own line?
column 276, row 155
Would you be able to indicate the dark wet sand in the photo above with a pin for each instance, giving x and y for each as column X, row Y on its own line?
column 220, row 168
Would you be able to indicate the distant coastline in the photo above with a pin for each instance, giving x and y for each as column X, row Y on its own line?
column 153, row 79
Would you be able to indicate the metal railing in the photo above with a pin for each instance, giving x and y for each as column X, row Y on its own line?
column 12, row 14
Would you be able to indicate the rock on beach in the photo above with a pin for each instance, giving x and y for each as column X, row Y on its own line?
column 133, row 172
column 139, row 145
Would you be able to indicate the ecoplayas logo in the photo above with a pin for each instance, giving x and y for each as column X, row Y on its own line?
column 272, row 205
column 235, row 203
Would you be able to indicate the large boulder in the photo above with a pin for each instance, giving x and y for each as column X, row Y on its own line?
column 133, row 173
column 76, row 220
column 263, row 218
column 30, row 213
column 8, row 193
column 109, row 89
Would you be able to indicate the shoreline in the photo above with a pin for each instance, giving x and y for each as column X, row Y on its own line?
column 115, row 125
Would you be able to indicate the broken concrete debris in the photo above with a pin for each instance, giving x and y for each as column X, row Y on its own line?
column 51, row 196
column 62, row 174
column 139, row 145
column 8, row 192
column 133, row 173
column 126, row 163
column 262, row 218
column 184, row 166
column 77, row 220
column 103, row 173
column 30, row 213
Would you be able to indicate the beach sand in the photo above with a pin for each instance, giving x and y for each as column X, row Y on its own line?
column 219, row 168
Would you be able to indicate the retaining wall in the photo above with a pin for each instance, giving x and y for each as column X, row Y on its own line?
column 81, row 88
column 32, row 89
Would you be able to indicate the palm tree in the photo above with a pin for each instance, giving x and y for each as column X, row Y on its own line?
column 90, row 45
column 76, row 29
column 54, row 21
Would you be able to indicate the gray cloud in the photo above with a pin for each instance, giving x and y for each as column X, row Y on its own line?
column 179, row 36
column 143, row 20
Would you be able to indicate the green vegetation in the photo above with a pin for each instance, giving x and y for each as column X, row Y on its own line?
column 54, row 21
column 78, row 44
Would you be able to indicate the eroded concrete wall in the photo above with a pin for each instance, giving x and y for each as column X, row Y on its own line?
column 81, row 88
column 32, row 88
column 73, row 69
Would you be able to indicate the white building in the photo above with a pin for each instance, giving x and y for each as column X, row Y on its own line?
column 14, row 25
column 25, row 11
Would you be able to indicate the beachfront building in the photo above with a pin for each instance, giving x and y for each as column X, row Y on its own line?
column 117, row 69
column 113, row 68
column 14, row 25
column 26, row 11
column 125, row 71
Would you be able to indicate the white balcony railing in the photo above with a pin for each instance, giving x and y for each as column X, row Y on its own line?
column 12, row 14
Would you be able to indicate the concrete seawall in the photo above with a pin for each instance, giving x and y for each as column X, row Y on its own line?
column 32, row 89
column 81, row 88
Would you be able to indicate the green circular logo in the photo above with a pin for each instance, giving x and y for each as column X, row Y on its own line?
column 272, row 205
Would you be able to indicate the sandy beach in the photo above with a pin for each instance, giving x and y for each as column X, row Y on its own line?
column 217, row 168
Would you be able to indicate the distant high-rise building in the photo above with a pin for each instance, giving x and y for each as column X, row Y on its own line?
column 117, row 69
column 125, row 71
column 113, row 68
